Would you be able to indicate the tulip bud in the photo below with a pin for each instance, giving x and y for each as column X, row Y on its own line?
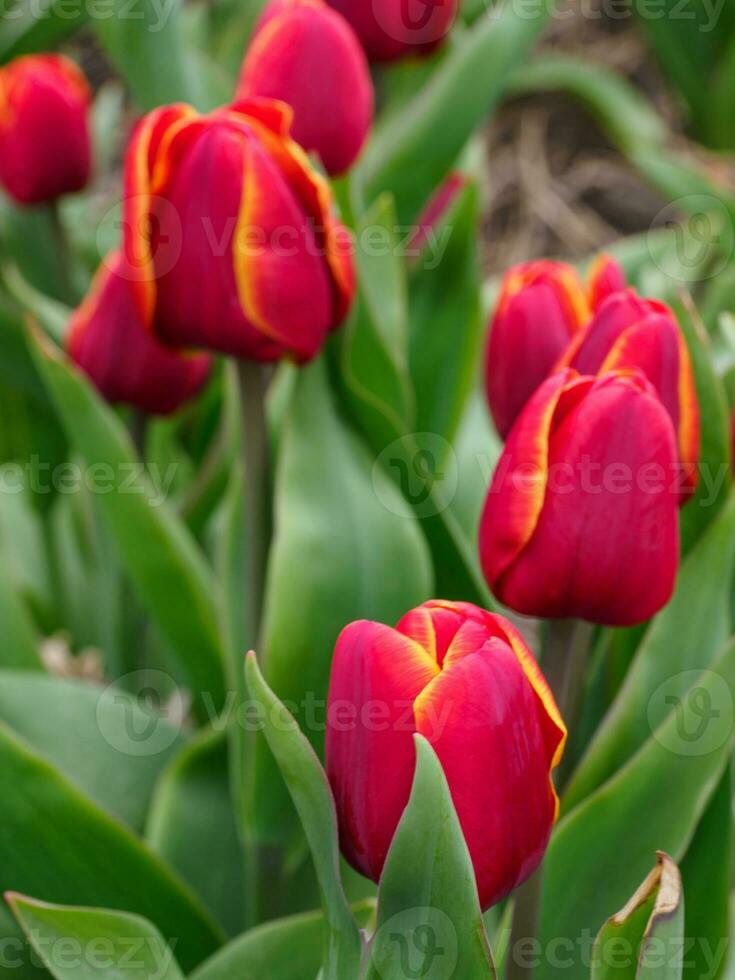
column 124, row 360
column 541, row 306
column 581, row 518
column 606, row 276
column 391, row 29
column 629, row 332
column 44, row 130
column 465, row 680
column 438, row 206
column 230, row 241
column 296, row 44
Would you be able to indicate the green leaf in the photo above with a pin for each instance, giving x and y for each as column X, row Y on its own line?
column 191, row 826
column 170, row 574
column 412, row 153
column 312, row 797
column 715, row 464
column 56, row 843
column 446, row 322
column 373, row 344
column 103, row 740
column 147, row 45
column 683, row 639
column 285, row 949
column 38, row 25
column 81, row 943
column 645, row 939
column 20, row 641
column 656, row 800
column 705, row 871
column 346, row 547
column 428, row 909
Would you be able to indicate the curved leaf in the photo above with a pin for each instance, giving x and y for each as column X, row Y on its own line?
column 102, row 739
column 684, row 638
column 645, row 939
column 171, row 576
column 655, row 801
column 81, row 943
column 429, row 918
column 308, row 786
column 57, row 844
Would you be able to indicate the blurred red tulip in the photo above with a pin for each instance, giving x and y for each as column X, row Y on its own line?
column 230, row 240
column 391, row 29
column 465, row 680
column 630, row 332
column 581, row 518
column 123, row 359
column 606, row 276
column 45, row 147
column 307, row 55
column 541, row 306
column 439, row 204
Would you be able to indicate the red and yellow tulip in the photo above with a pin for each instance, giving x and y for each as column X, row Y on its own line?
column 581, row 518
column 123, row 359
column 465, row 680
column 230, row 240
column 45, row 147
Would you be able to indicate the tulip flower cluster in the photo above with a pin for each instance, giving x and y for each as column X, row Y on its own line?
column 581, row 517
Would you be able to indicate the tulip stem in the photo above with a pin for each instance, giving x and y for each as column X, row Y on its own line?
column 256, row 511
column 63, row 254
column 564, row 663
column 256, row 544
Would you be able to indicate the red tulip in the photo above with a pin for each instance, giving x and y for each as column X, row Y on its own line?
column 581, row 518
column 541, row 306
column 629, row 332
column 230, row 241
column 438, row 206
column 606, row 276
column 307, row 55
column 45, row 146
column 391, row 29
column 123, row 359
column 467, row 682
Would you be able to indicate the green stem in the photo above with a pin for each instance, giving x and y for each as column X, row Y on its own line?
column 138, row 431
column 63, row 255
column 256, row 544
column 256, row 510
column 564, row 663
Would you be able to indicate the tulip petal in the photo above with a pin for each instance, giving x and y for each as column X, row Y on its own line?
column 140, row 162
column 605, row 546
column 518, row 489
column 377, row 673
column 484, row 721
